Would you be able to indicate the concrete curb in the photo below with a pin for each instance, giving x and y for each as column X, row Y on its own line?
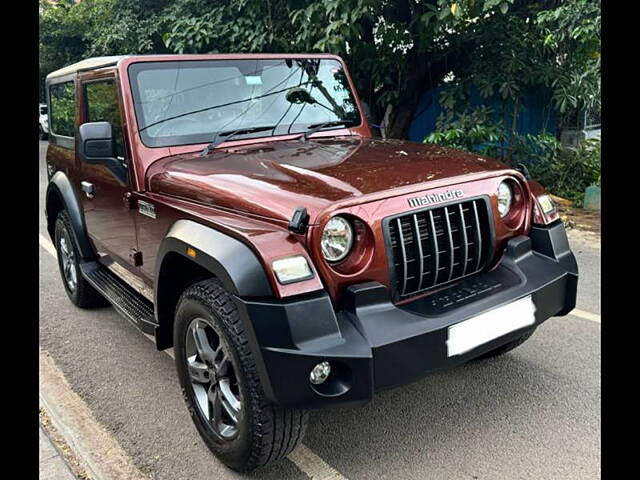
column 52, row 464
column 103, row 457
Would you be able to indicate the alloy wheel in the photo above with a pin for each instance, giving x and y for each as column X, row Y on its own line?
column 213, row 379
column 68, row 257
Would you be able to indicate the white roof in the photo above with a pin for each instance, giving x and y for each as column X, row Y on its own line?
column 88, row 64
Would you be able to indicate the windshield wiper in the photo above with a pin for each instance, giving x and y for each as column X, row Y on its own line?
column 316, row 127
column 228, row 135
column 231, row 134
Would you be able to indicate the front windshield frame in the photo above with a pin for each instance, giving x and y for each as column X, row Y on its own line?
column 135, row 68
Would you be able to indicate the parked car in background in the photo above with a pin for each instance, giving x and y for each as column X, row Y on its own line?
column 43, row 121
column 237, row 208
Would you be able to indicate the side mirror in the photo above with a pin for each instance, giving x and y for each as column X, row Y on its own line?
column 97, row 146
column 97, row 143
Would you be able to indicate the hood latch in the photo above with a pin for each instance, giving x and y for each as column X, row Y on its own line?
column 299, row 221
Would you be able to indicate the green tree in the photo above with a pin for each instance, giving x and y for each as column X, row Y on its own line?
column 395, row 49
column 70, row 32
column 539, row 45
column 61, row 38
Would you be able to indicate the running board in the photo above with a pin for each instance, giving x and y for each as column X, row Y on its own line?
column 131, row 304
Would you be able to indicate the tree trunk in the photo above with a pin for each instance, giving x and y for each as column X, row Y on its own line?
column 399, row 121
column 424, row 76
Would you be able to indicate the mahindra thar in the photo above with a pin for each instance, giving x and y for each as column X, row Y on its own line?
column 238, row 209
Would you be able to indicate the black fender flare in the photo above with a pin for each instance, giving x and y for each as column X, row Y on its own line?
column 231, row 261
column 60, row 186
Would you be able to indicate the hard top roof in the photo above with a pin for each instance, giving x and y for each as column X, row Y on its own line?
column 101, row 62
column 87, row 64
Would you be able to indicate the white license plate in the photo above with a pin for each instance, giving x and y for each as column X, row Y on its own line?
column 469, row 334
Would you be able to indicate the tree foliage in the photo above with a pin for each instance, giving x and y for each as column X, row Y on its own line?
column 472, row 131
column 395, row 49
column 70, row 32
column 549, row 45
column 564, row 171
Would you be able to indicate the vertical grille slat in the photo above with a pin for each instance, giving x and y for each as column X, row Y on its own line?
column 446, row 218
column 436, row 250
column 404, row 258
column 438, row 245
column 478, row 236
column 465, row 241
column 418, row 242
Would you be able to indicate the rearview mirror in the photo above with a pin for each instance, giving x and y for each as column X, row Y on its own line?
column 97, row 146
column 299, row 95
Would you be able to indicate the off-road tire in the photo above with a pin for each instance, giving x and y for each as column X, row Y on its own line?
column 83, row 295
column 266, row 432
column 507, row 347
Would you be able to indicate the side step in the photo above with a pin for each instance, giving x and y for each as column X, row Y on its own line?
column 135, row 307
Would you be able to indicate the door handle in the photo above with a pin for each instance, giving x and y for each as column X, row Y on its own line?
column 88, row 189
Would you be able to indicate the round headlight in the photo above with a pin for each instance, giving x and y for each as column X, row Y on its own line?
column 505, row 199
column 337, row 239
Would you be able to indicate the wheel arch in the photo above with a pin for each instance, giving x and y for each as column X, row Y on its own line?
column 61, row 196
column 212, row 254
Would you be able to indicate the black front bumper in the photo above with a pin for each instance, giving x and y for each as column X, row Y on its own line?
column 374, row 344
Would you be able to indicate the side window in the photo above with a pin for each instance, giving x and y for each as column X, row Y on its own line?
column 63, row 109
column 101, row 104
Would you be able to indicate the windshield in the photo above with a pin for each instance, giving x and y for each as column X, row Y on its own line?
column 189, row 102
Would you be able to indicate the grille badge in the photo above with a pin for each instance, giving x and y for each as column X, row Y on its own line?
column 432, row 198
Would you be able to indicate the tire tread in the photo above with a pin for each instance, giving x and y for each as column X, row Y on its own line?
column 276, row 430
column 85, row 295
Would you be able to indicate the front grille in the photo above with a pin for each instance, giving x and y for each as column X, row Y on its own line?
column 455, row 241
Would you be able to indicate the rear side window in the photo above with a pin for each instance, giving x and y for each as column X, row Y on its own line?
column 63, row 109
column 101, row 103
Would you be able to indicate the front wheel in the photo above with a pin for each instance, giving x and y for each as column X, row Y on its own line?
column 221, row 386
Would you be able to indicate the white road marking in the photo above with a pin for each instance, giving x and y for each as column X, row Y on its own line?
column 48, row 246
column 585, row 315
column 307, row 461
column 313, row 465
column 71, row 416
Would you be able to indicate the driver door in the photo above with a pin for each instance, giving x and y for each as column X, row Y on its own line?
column 109, row 218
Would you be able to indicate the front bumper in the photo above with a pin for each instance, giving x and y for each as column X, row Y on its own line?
column 374, row 344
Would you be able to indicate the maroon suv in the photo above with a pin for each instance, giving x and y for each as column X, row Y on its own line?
column 237, row 208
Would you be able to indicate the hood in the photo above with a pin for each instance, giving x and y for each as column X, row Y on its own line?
column 271, row 179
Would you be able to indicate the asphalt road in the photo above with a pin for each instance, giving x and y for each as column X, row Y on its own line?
column 533, row 413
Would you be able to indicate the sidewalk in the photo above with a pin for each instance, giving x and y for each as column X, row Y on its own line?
column 86, row 449
column 52, row 465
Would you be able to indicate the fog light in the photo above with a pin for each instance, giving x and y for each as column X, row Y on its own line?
column 320, row 373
